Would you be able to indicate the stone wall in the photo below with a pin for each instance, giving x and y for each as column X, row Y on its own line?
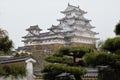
column 52, row 48
column 40, row 52
column 74, row 44
column 40, row 60
column 46, row 47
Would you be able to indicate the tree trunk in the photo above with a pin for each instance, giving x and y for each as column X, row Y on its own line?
column 74, row 59
column 77, row 77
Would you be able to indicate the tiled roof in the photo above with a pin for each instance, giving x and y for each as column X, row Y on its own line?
column 35, row 27
column 76, row 18
column 55, row 27
column 71, row 8
column 37, row 73
column 13, row 60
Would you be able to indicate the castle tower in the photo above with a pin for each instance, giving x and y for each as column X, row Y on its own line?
column 78, row 27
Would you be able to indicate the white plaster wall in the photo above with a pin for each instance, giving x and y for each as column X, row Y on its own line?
column 73, row 14
column 79, row 28
column 53, row 42
column 35, row 32
column 80, row 40
column 47, row 42
column 53, row 36
column 71, row 21
column 29, row 68
column 86, row 35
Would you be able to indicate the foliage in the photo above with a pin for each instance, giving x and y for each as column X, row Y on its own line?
column 103, row 59
column 111, row 61
column 63, row 60
column 67, row 64
column 5, row 45
column 21, row 54
column 117, row 29
column 108, row 61
column 14, row 70
column 58, row 69
column 112, row 45
column 109, row 74
column 70, row 51
column 3, row 33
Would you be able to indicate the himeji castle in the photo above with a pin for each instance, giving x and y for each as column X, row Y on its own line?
column 73, row 30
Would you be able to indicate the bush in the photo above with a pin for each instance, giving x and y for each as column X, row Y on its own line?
column 14, row 70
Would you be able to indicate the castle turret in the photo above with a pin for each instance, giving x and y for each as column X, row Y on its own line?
column 33, row 34
column 55, row 29
column 34, row 30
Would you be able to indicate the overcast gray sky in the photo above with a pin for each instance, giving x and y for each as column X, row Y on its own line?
column 17, row 15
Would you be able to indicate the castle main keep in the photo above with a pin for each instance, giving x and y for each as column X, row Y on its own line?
column 73, row 30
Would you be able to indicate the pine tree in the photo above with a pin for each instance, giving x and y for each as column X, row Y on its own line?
column 110, row 58
column 117, row 29
column 66, row 64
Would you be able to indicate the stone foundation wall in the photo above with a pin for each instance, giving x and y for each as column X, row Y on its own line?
column 75, row 44
column 40, row 60
column 52, row 47
column 40, row 52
